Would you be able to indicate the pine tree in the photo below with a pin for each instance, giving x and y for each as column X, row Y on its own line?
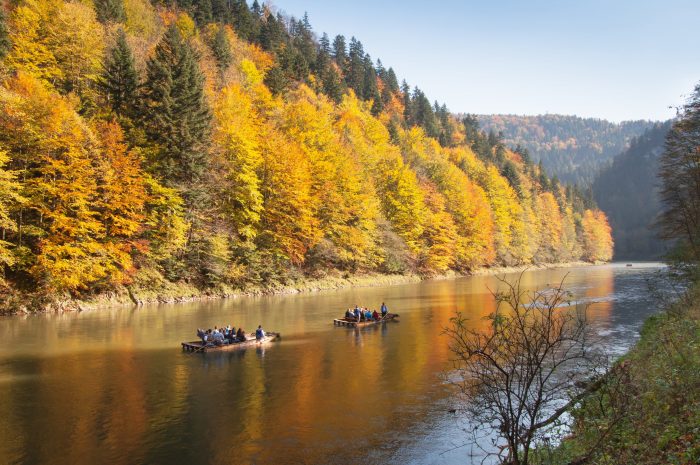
column 120, row 79
column 5, row 43
column 110, row 11
column 176, row 116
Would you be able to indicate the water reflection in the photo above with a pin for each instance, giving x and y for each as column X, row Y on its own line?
column 113, row 387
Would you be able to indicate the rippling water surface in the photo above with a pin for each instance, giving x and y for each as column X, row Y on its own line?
column 113, row 387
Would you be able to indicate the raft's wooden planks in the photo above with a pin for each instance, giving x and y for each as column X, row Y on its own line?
column 196, row 346
column 361, row 324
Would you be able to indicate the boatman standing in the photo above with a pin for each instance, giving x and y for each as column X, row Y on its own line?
column 384, row 310
column 259, row 333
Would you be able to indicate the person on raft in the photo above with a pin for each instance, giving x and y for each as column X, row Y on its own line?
column 384, row 310
column 259, row 333
column 240, row 335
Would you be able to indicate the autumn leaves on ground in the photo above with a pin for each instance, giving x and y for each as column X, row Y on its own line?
column 224, row 147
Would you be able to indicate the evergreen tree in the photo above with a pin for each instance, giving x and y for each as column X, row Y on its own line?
column 407, row 104
column 204, row 13
column 246, row 24
column 120, row 80
column 176, row 116
column 511, row 174
column 256, row 9
column 340, row 51
column 333, row 85
column 391, row 81
column 276, row 80
column 221, row 11
column 110, row 11
column 5, row 43
column 323, row 57
column 221, row 48
column 304, row 41
column 355, row 67
column 369, row 82
column 272, row 33
column 471, row 129
column 423, row 115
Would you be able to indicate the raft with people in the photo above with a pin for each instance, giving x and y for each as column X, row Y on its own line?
column 361, row 317
column 225, row 339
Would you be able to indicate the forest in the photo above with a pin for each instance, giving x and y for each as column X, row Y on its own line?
column 572, row 148
column 628, row 191
column 222, row 144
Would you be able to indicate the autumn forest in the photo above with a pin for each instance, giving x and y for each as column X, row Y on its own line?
column 225, row 146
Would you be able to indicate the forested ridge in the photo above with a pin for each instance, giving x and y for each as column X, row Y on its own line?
column 221, row 144
column 574, row 149
column 628, row 192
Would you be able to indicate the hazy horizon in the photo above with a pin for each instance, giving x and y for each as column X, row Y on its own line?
column 619, row 62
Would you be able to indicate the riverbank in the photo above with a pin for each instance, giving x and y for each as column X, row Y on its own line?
column 168, row 292
column 649, row 411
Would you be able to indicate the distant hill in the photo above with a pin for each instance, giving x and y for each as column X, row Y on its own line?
column 572, row 148
column 627, row 192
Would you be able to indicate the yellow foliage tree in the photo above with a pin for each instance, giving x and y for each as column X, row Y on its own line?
column 54, row 151
column 549, row 216
column 346, row 205
column 238, row 151
column 597, row 238
column 30, row 51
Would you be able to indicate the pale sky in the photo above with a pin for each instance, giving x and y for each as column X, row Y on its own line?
column 612, row 59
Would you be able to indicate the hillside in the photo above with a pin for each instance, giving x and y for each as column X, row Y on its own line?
column 220, row 146
column 627, row 191
column 572, row 148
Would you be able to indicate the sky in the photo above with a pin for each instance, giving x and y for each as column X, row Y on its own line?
column 611, row 59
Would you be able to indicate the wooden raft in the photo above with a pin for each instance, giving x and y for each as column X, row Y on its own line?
column 362, row 324
column 197, row 346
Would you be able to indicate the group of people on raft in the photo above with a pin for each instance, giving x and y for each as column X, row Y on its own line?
column 227, row 335
column 364, row 314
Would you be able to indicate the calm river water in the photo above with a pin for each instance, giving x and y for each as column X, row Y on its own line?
column 113, row 387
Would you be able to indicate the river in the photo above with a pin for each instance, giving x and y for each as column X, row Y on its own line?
column 113, row 386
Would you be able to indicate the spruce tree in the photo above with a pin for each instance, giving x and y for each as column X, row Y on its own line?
column 220, row 11
column 203, row 13
column 333, row 85
column 369, row 82
column 221, row 48
column 120, row 80
column 391, row 80
column 5, row 43
column 355, row 67
column 110, row 11
column 175, row 115
column 339, row 50
column 246, row 24
column 256, row 9
column 323, row 57
column 407, row 105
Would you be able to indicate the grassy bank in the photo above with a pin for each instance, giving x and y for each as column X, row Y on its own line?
column 147, row 291
column 649, row 411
